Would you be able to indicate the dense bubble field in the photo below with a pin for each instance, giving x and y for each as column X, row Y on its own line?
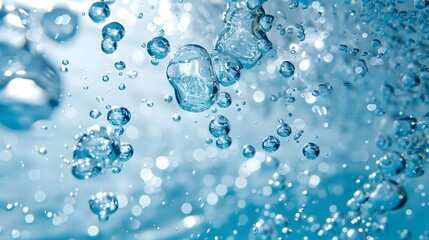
column 217, row 119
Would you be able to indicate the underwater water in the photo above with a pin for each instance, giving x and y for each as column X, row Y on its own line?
column 214, row 119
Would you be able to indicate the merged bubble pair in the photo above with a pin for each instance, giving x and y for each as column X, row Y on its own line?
column 220, row 127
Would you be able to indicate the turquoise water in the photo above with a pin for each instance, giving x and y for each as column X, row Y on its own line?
column 221, row 119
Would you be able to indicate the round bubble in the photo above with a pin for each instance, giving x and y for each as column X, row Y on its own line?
column 126, row 152
column 94, row 113
column 158, row 47
column 60, row 24
column 118, row 116
column 219, row 126
column 223, row 142
column 248, row 151
column 114, row 30
column 103, row 204
column 108, row 46
column 311, row 151
column 270, row 144
column 287, row 69
column 120, row 65
column 99, row 12
column 284, row 130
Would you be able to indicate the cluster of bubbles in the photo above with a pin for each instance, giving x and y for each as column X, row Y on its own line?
column 100, row 147
column 196, row 75
column 112, row 32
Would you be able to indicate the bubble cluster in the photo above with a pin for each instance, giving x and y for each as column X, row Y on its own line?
column 97, row 149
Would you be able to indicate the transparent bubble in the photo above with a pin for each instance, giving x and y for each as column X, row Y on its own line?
column 94, row 113
column 120, row 65
column 158, row 47
column 224, row 100
column 98, row 143
column 219, row 126
column 240, row 38
column 99, row 12
column 223, row 142
column 287, row 69
column 311, row 151
column 126, row 152
column 270, row 144
column 284, row 130
column 114, row 30
column 387, row 196
column 118, row 116
column 391, row 164
column 108, row 45
column 105, row 78
column 248, row 151
column 60, row 24
column 103, row 204
column 191, row 74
